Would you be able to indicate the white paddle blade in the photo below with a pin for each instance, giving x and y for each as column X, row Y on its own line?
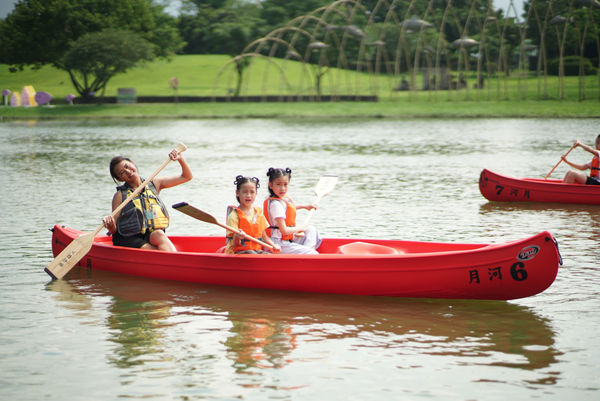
column 326, row 185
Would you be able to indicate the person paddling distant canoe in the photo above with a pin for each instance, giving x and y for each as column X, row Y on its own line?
column 573, row 176
column 142, row 223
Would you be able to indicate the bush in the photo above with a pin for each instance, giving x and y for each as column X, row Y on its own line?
column 572, row 66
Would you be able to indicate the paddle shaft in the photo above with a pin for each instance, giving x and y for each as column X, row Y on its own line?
column 243, row 234
column 201, row 215
column 312, row 211
column 554, row 168
column 77, row 249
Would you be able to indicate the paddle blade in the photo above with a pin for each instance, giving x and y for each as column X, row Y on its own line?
column 196, row 213
column 69, row 256
column 325, row 185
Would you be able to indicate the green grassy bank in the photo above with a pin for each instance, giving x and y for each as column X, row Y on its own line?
column 383, row 109
column 515, row 96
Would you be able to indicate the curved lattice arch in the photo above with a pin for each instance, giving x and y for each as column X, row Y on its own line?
column 346, row 49
column 240, row 57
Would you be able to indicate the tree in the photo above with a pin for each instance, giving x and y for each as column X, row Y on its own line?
column 40, row 32
column 221, row 27
column 561, row 23
column 235, row 37
column 206, row 26
column 96, row 57
column 279, row 12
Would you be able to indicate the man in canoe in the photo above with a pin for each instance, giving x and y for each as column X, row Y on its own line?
column 143, row 221
column 576, row 177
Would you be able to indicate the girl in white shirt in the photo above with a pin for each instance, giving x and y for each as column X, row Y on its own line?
column 280, row 211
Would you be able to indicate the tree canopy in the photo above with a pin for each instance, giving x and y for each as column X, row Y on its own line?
column 96, row 57
column 558, row 22
column 40, row 32
column 353, row 32
column 227, row 26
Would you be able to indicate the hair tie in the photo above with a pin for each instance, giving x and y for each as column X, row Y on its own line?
column 240, row 180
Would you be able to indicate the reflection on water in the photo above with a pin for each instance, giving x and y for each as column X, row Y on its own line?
column 259, row 342
column 265, row 328
column 569, row 209
column 133, row 326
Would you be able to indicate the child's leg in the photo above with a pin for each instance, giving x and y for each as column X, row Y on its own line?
column 311, row 238
column 292, row 247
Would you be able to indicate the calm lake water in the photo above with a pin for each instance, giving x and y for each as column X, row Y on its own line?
column 107, row 336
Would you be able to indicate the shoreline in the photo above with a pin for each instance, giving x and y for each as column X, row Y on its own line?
column 385, row 109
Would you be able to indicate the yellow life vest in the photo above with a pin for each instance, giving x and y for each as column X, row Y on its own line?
column 145, row 212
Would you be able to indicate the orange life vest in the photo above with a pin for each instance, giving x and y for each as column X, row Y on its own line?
column 595, row 167
column 290, row 215
column 252, row 228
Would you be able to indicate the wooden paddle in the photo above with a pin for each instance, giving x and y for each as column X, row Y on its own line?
column 324, row 187
column 196, row 213
column 82, row 244
column 548, row 175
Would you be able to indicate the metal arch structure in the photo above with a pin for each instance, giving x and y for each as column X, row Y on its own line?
column 359, row 50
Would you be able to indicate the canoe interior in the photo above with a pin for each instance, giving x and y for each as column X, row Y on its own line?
column 215, row 244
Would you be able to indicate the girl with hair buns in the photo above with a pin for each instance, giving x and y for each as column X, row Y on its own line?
column 280, row 211
column 248, row 218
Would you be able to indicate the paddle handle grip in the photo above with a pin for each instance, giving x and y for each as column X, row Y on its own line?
column 554, row 168
column 243, row 234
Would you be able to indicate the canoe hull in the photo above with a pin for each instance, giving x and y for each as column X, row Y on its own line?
column 496, row 187
column 504, row 271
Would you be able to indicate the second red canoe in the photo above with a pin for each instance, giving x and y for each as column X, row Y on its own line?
column 496, row 187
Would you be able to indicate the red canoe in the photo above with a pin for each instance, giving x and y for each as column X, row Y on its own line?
column 507, row 270
column 496, row 187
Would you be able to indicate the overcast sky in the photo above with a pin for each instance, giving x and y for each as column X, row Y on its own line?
column 504, row 4
column 6, row 6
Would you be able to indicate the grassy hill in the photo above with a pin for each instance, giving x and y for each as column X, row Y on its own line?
column 196, row 75
column 213, row 75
